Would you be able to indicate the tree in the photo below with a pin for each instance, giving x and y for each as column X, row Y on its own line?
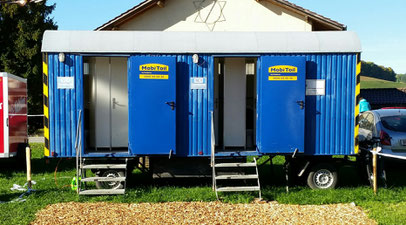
column 21, row 30
column 370, row 69
column 401, row 78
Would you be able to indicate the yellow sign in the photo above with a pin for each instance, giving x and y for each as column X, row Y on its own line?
column 154, row 76
column 282, row 69
column 153, row 67
column 282, row 78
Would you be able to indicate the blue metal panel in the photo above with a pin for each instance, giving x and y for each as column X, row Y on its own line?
column 194, row 117
column 201, row 106
column 193, row 121
column 64, row 104
column 51, row 103
column 281, row 82
column 152, row 120
column 329, row 119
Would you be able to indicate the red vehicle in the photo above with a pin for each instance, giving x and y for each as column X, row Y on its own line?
column 13, row 115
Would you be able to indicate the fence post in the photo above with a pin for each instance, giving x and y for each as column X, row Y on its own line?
column 28, row 159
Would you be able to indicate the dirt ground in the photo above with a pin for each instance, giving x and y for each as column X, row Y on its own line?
column 200, row 213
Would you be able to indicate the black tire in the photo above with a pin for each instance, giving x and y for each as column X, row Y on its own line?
column 322, row 176
column 107, row 184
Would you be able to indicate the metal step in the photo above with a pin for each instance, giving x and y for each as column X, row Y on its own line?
column 222, row 165
column 103, row 192
column 236, row 177
column 106, row 179
column 104, row 166
column 243, row 188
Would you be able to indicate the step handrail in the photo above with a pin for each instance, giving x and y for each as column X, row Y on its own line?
column 213, row 146
column 259, row 185
column 78, row 148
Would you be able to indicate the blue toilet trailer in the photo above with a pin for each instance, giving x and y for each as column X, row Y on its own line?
column 196, row 104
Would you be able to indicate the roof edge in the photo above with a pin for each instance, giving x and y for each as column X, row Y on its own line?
column 310, row 13
column 128, row 14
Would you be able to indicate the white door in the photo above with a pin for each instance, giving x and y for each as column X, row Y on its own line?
column 109, row 103
column 234, row 102
column 119, row 103
column 100, row 102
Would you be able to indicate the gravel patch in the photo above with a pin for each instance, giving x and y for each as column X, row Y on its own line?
column 200, row 213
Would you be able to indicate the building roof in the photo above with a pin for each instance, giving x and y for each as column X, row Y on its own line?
column 390, row 96
column 321, row 22
column 200, row 42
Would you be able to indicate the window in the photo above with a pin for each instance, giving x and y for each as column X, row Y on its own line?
column 394, row 123
column 367, row 121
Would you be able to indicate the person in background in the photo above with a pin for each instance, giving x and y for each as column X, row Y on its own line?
column 364, row 105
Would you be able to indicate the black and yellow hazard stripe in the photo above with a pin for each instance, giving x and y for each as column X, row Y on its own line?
column 357, row 99
column 46, row 102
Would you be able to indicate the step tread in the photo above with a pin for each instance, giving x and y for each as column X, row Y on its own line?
column 103, row 192
column 251, row 164
column 104, row 166
column 236, row 177
column 110, row 179
column 243, row 188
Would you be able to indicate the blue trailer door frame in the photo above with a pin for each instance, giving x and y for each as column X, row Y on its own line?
column 152, row 105
column 281, row 101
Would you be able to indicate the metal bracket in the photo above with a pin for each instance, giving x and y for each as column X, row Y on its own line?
column 304, row 169
column 170, row 153
column 294, row 153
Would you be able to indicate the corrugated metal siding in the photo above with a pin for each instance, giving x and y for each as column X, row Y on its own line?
column 194, row 106
column 329, row 125
column 330, row 118
column 64, row 104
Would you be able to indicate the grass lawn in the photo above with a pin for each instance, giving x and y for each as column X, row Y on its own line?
column 370, row 82
column 388, row 207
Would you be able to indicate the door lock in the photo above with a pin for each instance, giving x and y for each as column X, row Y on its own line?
column 171, row 104
column 301, row 104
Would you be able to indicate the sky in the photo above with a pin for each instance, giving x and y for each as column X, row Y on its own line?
column 381, row 25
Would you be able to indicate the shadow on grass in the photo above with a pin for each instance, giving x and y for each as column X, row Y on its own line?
column 15, row 195
column 10, row 166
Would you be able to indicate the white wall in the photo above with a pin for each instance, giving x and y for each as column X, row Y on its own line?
column 226, row 15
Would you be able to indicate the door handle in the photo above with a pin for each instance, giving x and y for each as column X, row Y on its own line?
column 301, row 104
column 171, row 104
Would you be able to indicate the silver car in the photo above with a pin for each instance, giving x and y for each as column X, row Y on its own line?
column 389, row 125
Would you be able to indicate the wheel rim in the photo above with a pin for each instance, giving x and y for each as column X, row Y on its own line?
column 110, row 184
column 323, row 178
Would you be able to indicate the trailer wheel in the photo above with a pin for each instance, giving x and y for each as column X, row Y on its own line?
column 322, row 176
column 110, row 184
